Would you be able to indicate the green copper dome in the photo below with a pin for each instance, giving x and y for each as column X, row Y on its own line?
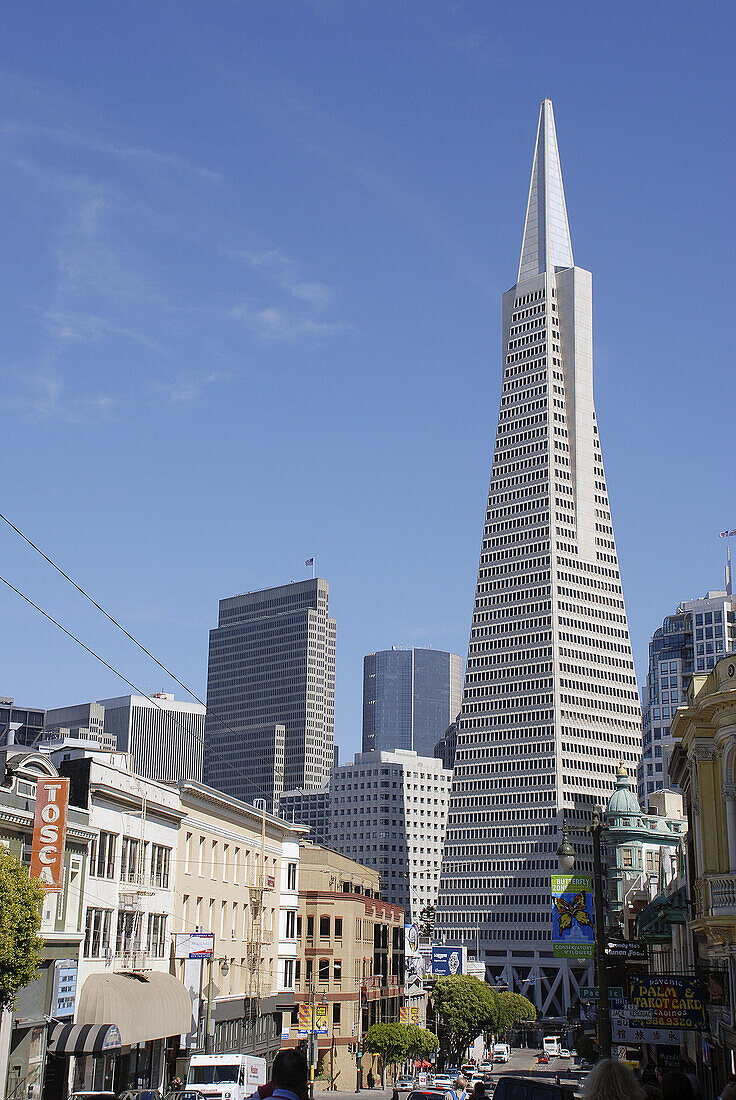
column 623, row 800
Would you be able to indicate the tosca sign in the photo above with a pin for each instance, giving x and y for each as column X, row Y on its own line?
column 49, row 833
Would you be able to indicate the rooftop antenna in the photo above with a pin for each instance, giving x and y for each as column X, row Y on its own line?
column 728, row 535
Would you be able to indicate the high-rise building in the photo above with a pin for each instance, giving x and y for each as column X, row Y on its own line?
column 83, row 722
column 271, row 692
column 550, row 705
column 691, row 640
column 389, row 811
column 410, row 696
column 311, row 808
column 19, row 725
column 163, row 736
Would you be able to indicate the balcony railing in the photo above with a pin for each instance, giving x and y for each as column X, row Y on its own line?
column 715, row 896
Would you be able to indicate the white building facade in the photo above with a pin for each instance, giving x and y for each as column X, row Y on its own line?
column 389, row 812
column 550, row 704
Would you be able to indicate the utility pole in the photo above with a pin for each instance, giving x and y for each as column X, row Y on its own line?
column 604, row 1005
column 312, row 1035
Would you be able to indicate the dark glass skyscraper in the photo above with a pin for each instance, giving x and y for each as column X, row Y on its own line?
column 271, row 679
column 410, row 697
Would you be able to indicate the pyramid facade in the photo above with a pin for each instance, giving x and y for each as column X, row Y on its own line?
column 550, row 702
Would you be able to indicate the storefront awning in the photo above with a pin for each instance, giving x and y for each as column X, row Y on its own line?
column 84, row 1039
column 143, row 1006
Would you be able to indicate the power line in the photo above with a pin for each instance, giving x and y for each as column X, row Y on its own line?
column 136, row 689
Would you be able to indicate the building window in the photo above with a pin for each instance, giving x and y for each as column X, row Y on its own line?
column 290, row 924
column 338, row 928
column 336, row 1012
column 324, row 927
column 160, row 857
column 131, row 864
column 97, row 933
column 288, row 973
column 291, row 876
column 299, row 927
column 128, row 936
column 628, row 858
column 310, row 928
column 337, row 970
column 157, row 935
column 102, row 856
column 309, row 970
column 324, row 970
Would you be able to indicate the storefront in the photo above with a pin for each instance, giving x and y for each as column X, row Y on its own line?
column 126, row 1033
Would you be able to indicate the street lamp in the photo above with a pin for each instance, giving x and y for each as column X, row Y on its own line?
column 566, row 857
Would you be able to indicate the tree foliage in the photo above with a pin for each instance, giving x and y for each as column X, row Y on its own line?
column 465, row 1007
column 513, row 1009
column 425, row 924
column 20, row 920
column 387, row 1040
column 420, row 1042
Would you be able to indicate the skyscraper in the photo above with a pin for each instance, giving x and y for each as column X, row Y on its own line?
column 389, row 811
column 410, row 696
column 692, row 639
column 550, row 704
column 271, row 678
column 163, row 735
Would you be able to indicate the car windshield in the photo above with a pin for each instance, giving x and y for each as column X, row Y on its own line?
column 222, row 1073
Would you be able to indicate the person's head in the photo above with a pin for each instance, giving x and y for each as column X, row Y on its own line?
column 610, row 1079
column 290, row 1071
column 479, row 1089
column 460, row 1081
column 676, row 1086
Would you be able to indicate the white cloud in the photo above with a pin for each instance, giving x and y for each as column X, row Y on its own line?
column 43, row 395
column 285, row 273
column 277, row 324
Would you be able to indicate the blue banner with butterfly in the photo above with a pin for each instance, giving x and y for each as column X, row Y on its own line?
column 573, row 933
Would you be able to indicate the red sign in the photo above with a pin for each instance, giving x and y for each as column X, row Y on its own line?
column 49, row 833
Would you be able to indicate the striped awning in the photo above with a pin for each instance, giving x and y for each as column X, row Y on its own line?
column 84, row 1039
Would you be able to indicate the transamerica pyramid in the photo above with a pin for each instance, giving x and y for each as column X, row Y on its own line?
column 550, row 704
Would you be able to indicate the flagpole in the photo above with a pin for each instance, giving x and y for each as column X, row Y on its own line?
column 313, row 567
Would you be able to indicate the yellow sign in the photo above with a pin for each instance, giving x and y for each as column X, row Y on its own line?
column 403, row 1014
column 415, row 1015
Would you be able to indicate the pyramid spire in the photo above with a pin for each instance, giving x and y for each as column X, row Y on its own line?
column 546, row 243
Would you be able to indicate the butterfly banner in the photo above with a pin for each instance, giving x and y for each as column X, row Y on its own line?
column 573, row 934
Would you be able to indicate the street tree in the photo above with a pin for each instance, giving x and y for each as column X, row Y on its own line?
column 425, row 924
column 421, row 1042
column 465, row 1007
column 20, row 919
column 513, row 1009
column 390, row 1042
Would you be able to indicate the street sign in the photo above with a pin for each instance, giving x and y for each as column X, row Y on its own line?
column 626, row 951
column 194, row 945
column 592, row 993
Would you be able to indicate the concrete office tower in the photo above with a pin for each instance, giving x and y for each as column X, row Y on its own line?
column 83, row 722
column 271, row 678
column 389, row 811
column 550, row 704
column 311, row 808
column 410, row 696
column 691, row 640
column 163, row 736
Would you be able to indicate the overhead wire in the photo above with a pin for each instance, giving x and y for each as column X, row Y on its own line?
column 139, row 691
column 208, row 710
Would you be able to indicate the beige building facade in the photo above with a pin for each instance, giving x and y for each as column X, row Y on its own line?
column 350, row 962
column 238, row 878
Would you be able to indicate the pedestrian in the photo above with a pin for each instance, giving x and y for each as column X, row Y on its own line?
column 479, row 1091
column 289, row 1075
column 611, row 1080
column 395, row 1094
column 460, row 1088
column 370, row 1079
column 676, row 1086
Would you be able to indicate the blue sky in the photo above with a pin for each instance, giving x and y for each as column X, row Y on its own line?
column 250, row 287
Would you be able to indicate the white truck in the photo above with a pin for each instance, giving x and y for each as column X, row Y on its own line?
column 226, row 1076
column 501, row 1052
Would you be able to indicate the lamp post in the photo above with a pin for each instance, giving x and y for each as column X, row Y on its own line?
column 566, row 857
column 224, row 970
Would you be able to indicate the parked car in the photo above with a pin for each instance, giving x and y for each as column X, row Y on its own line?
column 427, row 1094
column 531, row 1088
column 92, row 1096
column 141, row 1094
column 443, row 1081
column 405, row 1082
column 183, row 1094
